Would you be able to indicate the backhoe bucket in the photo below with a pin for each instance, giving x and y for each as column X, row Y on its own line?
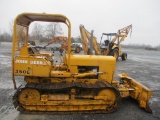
column 137, row 91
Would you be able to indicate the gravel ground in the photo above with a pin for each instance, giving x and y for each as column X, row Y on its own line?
column 142, row 65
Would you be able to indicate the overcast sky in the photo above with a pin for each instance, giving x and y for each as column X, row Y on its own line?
column 98, row 15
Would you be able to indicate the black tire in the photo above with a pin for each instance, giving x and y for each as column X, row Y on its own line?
column 115, row 53
column 77, row 50
column 61, row 50
column 124, row 56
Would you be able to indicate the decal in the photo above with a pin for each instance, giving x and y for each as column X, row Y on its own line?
column 33, row 62
column 38, row 62
column 22, row 71
column 21, row 61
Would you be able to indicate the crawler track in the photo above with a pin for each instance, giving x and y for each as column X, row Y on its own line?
column 66, row 86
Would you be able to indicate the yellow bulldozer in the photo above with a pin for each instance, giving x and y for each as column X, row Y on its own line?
column 80, row 84
column 109, row 46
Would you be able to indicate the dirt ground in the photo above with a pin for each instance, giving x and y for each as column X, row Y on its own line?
column 142, row 65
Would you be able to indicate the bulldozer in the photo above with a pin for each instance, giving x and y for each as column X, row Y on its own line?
column 79, row 84
column 107, row 46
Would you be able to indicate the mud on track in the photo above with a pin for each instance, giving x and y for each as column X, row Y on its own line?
column 142, row 65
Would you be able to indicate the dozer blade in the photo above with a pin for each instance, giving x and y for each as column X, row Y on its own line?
column 137, row 91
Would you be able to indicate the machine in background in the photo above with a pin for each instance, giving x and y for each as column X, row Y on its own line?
column 107, row 46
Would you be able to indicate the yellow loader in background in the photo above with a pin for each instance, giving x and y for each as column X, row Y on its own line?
column 79, row 84
column 107, row 46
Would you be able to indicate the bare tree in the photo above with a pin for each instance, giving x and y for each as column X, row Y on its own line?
column 11, row 24
column 53, row 29
column 37, row 31
column 5, row 37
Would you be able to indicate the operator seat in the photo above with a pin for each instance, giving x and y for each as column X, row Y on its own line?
column 106, row 42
